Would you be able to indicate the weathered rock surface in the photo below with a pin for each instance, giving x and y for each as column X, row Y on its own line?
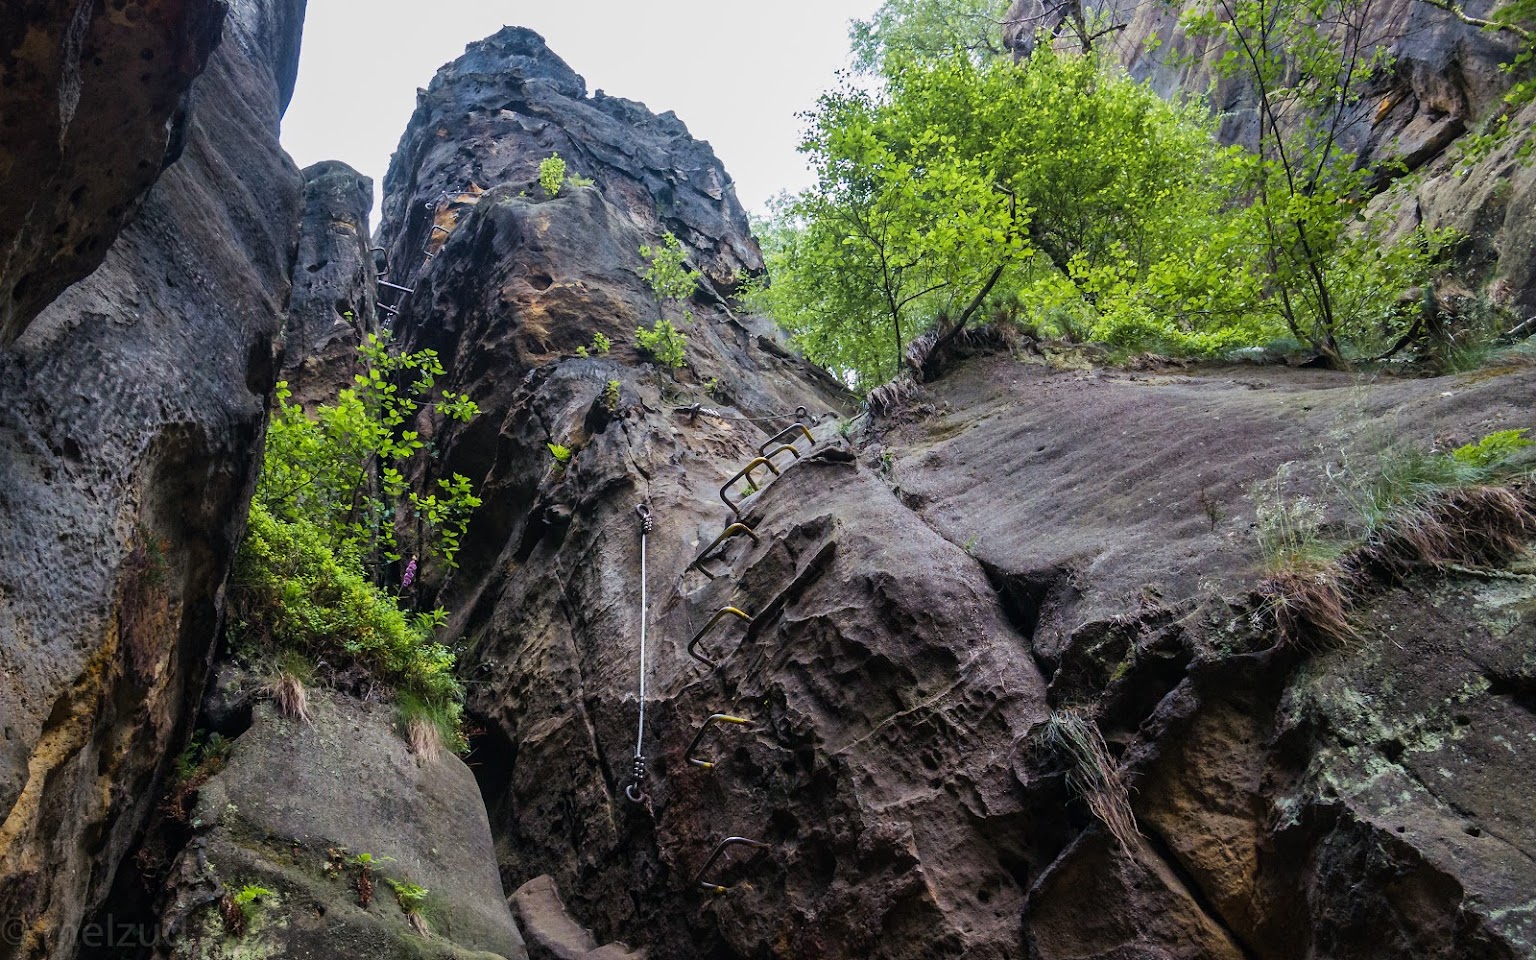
column 552, row 933
column 490, row 117
column 130, row 412
column 1016, row 540
column 335, row 283
column 1444, row 84
column 1352, row 804
column 93, row 101
column 296, row 804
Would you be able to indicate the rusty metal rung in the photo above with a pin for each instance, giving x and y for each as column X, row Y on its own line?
column 714, row 718
column 731, row 530
column 745, row 472
column 722, row 614
column 725, row 845
column 785, row 434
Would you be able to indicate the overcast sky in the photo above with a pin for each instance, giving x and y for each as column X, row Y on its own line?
column 735, row 71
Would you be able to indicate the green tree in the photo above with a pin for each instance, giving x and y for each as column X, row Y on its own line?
column 937, row 192
column 916, row 29
column 323, row 527
column 1331, row 274
column 673, row 282
column 343, row 468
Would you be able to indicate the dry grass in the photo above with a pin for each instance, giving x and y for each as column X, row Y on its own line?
column 424, row 737
column 1469, row 526
column 885, row 399
column 1311, row 606
column 1458, row 528
column 1092, row 773
column 288, row 693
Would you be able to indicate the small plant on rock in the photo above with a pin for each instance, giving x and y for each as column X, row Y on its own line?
column 552, row 174
column 242, row 907
column 611, row 396
column 667, row 346
column 562, row 454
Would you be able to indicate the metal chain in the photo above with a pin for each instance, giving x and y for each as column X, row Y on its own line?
column 799, row 413
column 635, row 788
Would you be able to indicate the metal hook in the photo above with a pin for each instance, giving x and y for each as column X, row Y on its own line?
column 747, row 473
column 647, row 522
column 782, row 449
column 725, row 845
column 785, row 433
column 713, row 719
column 721, row 615
column 730, row 531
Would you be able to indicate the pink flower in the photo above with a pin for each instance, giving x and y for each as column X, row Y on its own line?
column 410, row 574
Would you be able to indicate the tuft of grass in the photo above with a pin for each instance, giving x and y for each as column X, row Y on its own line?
column 431, row 726
column 1290, row 529
column 287, row 686
column 1091, row 772
column 1310, row 606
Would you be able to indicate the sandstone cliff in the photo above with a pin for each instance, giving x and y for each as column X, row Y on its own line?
column 131, row 415
column 924, row 592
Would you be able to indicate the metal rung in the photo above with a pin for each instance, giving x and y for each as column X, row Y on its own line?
column 725, row 845
column 713, row 719
column 783, row 449
column 746, row 472
column 443, row 230
column 784, row 434
column 392, row 311
column 724, row 612
column 730, row 531
column 394, row 286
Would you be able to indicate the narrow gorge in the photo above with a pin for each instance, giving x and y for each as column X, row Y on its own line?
column 865, row 621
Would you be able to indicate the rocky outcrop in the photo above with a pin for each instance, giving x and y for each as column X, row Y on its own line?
column 1013, row 542
column 1349, row 804
column 295, row 807
column 490, row 117
column 1444, row 84
column 94, row 101
column 335, row 283
column 131, row 414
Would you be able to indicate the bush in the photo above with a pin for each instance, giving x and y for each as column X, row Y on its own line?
column 552, row 174
column 292, row 590
column 664, row 342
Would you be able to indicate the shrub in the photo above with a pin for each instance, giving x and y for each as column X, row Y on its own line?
column 552, row 174
column 666, row 345
column 1493, row 450
column 292, row 590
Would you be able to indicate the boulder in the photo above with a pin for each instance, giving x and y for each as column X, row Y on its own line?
column 296, row 805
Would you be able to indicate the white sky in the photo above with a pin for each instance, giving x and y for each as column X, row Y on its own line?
column 735, row 71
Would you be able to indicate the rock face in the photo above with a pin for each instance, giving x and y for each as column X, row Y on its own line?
column 1349, row 804
column 1015, row 541
column 335, row 283
column 494, row 114
column 1445, row 84
column 132, row 408
column 94, row 105
column 295, row 806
